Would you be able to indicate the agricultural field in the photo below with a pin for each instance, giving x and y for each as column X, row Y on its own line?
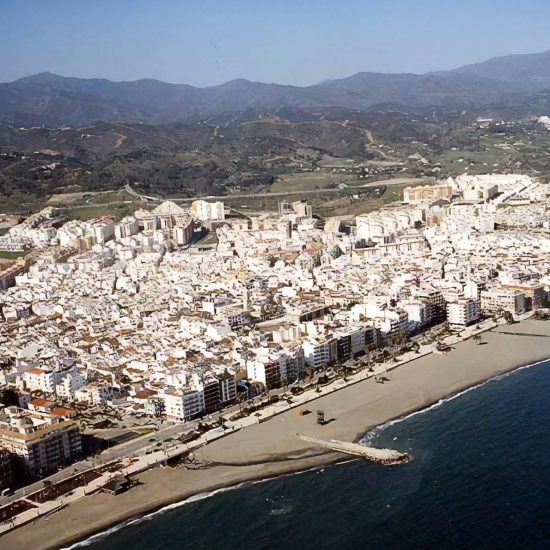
column 311, row 181
column 457, row 162
column 119, row 211
column 9, row 255
column 370, row 199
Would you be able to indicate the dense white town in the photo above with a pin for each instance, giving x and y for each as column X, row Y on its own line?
column 175, row 313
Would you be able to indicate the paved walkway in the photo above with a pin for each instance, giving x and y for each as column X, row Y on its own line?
column 137, row 464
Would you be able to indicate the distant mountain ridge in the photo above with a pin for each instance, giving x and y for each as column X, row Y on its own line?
column 53, row 100
column 530, row 71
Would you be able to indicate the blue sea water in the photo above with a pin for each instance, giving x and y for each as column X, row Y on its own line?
column 480, row 478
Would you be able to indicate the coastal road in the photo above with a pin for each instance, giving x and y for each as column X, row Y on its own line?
column 142, row 444
column 133, row 447
column 75, row 468
column 269, row 449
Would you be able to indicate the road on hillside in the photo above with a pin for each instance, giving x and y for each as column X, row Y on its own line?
column 388, row 182
column 335, row 190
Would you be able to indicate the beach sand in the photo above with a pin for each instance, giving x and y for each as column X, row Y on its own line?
column 271, row 448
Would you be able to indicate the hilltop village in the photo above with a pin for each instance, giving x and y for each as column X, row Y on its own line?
column 175, row 314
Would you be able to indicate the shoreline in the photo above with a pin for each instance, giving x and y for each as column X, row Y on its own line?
column 214, row 490
column 270, row 449
column 196, row 497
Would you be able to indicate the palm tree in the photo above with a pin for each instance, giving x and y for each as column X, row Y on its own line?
column 47, row 486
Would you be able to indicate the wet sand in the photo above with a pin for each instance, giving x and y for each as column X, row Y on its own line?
column 271, row 448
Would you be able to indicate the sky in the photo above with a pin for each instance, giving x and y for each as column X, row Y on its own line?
column 300, row 42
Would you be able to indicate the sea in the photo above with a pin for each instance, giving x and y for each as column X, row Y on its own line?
column 479, row 478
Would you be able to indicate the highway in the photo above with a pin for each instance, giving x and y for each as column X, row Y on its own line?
column 313, row 192
column 387, row 182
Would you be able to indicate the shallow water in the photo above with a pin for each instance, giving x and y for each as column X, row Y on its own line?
column 480, row 478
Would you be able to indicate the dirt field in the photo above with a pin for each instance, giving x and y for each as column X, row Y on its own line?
column 309, row 181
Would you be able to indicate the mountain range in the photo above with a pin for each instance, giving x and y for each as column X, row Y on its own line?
column 52, row 100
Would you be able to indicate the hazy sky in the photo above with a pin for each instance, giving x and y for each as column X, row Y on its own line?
column 207, row 42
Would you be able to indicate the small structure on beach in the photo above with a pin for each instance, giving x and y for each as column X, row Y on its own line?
column 118, row 484
column 320, row 417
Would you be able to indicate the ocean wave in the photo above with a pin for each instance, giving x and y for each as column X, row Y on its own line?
column 147, row 517
column 370, row 435
column 367, row 438
column 194, row 498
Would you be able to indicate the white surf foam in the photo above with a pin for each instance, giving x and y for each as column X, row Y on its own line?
column 195, row 498
column 368, row 437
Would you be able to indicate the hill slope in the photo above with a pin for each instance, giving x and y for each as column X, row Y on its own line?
column 530, row 71
column 53, row 100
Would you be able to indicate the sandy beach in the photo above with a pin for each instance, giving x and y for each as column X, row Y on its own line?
column 272, row 448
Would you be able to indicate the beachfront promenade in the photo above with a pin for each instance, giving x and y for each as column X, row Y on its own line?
column 132, row 466
column 269, row 449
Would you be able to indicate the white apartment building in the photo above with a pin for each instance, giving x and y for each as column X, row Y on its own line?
column 126, row 228
column 381, row 225
column 95, row 394
column 36, row 379
column 502, row 299
column 205, row 211
column 69, row 384
column 291, row 363
column 173, row 405
column 183, row 405
column 480, row 191
column 318, row 353
column 103, row 230
column 228, row 387
column 392, row 323
column 256, row 371
column 193, row 403
column 463, row 312
column 419, row 313
column 41, row 442
column 357, row 338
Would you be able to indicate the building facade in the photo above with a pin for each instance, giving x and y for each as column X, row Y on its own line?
column 40, row 443
column 463, row 312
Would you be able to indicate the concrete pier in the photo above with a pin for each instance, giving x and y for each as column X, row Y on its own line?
column 382, row 456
